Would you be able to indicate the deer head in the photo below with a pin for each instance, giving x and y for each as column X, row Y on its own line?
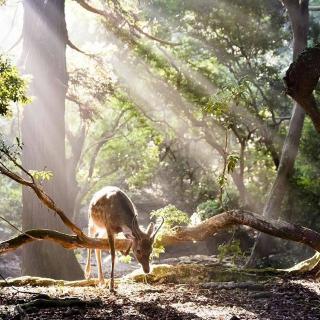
column 142, row 244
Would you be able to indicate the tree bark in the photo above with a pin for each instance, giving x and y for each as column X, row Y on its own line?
column 299, row 18
column 43, row 131
column 301, row 80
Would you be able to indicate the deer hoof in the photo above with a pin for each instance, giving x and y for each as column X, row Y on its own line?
column 111, row 287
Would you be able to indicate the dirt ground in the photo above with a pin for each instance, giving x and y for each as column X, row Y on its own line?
column 275, row 299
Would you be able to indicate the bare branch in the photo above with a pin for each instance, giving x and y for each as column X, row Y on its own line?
column 44, row 198
column 113, row 19
column 74, row 47
column 12, row 226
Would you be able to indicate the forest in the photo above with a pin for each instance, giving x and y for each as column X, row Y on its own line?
column 159, row 159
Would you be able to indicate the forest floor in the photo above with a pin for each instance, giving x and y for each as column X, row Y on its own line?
column 172, row 292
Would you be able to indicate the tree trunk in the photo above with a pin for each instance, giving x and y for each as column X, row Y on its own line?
column 299, row 18
column 43, row 131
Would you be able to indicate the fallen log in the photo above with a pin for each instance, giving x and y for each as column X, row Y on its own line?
column 202, row 231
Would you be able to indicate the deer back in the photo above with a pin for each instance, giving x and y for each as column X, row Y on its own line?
column 111, row 207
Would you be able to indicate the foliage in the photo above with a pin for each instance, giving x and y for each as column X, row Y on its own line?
column 134, row 153
column 172, row 217
column 12, row 90
column 10, row 205
column 212, row 207
column 209, row 209
column 231, row 249
column 41, row 175
column 12, row 86
column 302, row 205
column 232, row 160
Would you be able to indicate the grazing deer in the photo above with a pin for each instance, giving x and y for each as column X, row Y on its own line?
column 110, row 212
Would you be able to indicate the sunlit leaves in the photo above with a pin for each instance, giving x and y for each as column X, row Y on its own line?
column 172, row 217
column 221, row 104
column 12, row 86
column 44, row 175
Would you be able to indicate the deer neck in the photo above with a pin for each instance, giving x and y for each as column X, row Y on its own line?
column 137, row 233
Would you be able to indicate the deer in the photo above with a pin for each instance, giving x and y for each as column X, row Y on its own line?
column 110, row 212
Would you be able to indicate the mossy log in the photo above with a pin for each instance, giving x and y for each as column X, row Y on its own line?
column 200, row 274
column 180, row 274
column 46, row 282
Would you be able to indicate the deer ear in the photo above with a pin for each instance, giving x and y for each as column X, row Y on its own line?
column 129, row 236
column 150, row 229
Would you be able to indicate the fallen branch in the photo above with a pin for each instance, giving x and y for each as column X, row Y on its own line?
column 202, row 231
column 45, row 282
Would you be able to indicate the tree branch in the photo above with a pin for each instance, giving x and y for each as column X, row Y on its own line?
column 114, row 19
column 200, row 232
column 74, row 47
column 301, row 79
column 314, row 8
column 43, row 197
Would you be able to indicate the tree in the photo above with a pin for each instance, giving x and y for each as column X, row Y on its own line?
column 298, row 12
column 224, row 83
column 43, row 132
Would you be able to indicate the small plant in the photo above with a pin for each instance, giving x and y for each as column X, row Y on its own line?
column 231, row 249
column 125, row 259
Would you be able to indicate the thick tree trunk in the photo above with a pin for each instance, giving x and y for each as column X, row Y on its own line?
column 299, row 17
column 43, row 130
column 301, row 80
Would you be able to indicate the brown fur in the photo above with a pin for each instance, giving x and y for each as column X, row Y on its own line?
column 111, row 212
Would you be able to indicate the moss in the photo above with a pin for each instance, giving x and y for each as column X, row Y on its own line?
column 195, row 274
column 45, row 282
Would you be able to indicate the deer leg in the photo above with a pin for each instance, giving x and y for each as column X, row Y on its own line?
column 87, row 272
column 99, row 263
column 113, row 257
